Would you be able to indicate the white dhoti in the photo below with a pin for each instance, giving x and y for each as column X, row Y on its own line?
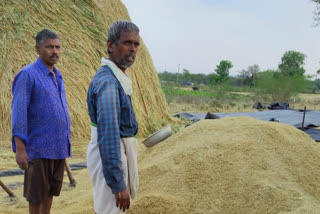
column 104, row 200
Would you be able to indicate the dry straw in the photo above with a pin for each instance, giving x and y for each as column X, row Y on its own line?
column 82, row 27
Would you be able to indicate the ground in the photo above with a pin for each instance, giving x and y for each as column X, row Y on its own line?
column 83, row 191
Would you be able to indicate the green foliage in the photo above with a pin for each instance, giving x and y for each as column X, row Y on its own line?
column 223, row 90
column 317, row 83
column 220, row 98
column 181, row 92
column 214, row 78
column 292, row 63
column 166, row 76
column 222, row 71
column 185, row 76
column 279, row 87
column 200, row 79
column 249, row 76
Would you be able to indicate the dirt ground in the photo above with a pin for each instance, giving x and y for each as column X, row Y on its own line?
column 72, row 200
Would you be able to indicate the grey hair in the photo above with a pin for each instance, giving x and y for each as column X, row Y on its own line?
column 44, row 35
column 117, row 27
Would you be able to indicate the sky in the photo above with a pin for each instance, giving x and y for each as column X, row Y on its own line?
column 197, row 34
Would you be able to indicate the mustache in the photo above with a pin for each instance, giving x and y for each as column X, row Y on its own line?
column 54, row 56
column 130, row 54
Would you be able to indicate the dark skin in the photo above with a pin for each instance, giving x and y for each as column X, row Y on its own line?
column 123, row 54
column 21, row 154
column 49, row 52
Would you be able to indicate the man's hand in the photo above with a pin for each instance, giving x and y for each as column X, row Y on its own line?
column 123, row 199
column 21, row 154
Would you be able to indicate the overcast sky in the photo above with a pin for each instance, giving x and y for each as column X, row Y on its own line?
column 198, row 34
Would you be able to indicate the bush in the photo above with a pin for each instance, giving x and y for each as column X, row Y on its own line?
column 278, row 87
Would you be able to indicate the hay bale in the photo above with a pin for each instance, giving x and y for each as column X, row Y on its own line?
column 232, row 165
column 82, row 27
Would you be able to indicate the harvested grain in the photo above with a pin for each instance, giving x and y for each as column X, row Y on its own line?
column 232, row 165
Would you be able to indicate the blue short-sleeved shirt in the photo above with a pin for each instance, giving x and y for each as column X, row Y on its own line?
column 40, row 115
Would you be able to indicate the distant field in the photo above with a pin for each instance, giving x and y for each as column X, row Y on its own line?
column 188, row 92
column 184, row 99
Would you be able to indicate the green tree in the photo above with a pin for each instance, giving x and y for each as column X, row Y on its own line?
column 166, row 76
column 292, row 63
column 222, row 71
column 249, row 75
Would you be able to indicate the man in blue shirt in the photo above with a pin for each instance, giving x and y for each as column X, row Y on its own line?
column 112, row 151
column 41, row 124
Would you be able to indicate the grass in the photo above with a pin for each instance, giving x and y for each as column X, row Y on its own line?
column 182, row 92
column 208, row 99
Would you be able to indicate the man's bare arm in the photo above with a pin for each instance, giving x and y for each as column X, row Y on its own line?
column 21, row 154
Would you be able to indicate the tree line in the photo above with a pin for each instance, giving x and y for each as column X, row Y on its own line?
column 288, row 79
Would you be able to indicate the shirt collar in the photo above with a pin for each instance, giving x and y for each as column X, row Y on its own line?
column 44, row 68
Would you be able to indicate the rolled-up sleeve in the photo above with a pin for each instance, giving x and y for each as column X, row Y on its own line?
column 21, row 91
column 108, row 120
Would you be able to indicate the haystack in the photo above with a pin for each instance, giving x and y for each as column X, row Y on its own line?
column 82, row 27
column 232, row 165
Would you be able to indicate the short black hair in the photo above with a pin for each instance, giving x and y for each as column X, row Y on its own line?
column 44, row 35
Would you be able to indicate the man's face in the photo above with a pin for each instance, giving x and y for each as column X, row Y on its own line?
column 123, row 52
column 49, row 51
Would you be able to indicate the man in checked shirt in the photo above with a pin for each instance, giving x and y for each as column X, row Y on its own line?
column 112, row 151
column 41, row 124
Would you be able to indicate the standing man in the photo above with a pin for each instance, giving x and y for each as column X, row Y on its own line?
column 112, row 151
column 41, row 124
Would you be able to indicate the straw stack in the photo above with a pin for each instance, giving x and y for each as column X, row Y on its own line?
column 82, row 27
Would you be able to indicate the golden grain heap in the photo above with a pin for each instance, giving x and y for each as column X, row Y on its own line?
column 82, row 27
column 232, row 165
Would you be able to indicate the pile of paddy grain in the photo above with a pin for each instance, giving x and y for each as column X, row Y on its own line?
column 232, row 165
